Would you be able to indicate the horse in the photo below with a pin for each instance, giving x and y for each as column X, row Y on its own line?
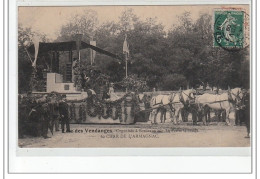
column 173, row 103
column 228, row 101
column 159, row 104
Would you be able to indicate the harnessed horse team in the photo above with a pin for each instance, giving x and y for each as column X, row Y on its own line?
column 173, row 103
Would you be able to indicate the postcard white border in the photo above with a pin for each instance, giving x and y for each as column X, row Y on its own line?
column 25, row 160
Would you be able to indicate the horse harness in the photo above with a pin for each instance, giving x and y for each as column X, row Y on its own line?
column 221, row 102
column 171, row 101
column 236, row 98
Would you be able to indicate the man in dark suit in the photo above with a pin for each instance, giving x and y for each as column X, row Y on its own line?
column 247, row 112
column 55, row 115
column 45, row 116
column 63, row 108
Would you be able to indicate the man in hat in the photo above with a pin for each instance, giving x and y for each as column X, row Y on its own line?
column 45, row 116
column 63, row 108
column 54, row 111
column 247, row 111
column 55, row 114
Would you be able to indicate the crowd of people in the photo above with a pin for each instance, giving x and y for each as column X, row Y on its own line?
column 37, row 116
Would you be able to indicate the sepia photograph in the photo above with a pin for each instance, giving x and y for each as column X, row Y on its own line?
column 134, row 76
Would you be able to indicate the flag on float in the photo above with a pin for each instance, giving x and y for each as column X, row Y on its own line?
column 126, row 47
column 36, row 42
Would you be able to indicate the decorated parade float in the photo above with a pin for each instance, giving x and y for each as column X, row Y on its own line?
column 86, row 90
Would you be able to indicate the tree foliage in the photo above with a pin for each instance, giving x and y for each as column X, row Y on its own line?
column 133, row 83
column 183, row 56
column 84, row 24
column 25, row 69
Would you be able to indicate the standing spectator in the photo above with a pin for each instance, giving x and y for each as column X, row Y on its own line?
column 247, row 112
column 55, row 115
column 147, row 105
column 22, row 117
column 63, row 108
column 45, row 116
column 35, row 114
column 185, row 113
column 194, row 116
column 239, row 116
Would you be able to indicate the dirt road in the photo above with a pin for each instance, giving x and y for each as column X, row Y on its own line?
column 143, row 135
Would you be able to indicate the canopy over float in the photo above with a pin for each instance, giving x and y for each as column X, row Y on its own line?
column 67, row 46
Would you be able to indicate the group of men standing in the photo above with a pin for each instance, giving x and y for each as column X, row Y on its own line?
column 43, row 114
column 58, row 110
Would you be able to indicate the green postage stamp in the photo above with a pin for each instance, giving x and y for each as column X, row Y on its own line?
column 229, row 28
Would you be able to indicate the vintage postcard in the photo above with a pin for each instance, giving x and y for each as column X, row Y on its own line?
column 134, row 76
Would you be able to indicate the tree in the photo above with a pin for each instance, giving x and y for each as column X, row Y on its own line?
column 127, row 20
column 173, row 82
column 197, row 59
column 182, row 40
column 84, row 24
column 25, row 60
